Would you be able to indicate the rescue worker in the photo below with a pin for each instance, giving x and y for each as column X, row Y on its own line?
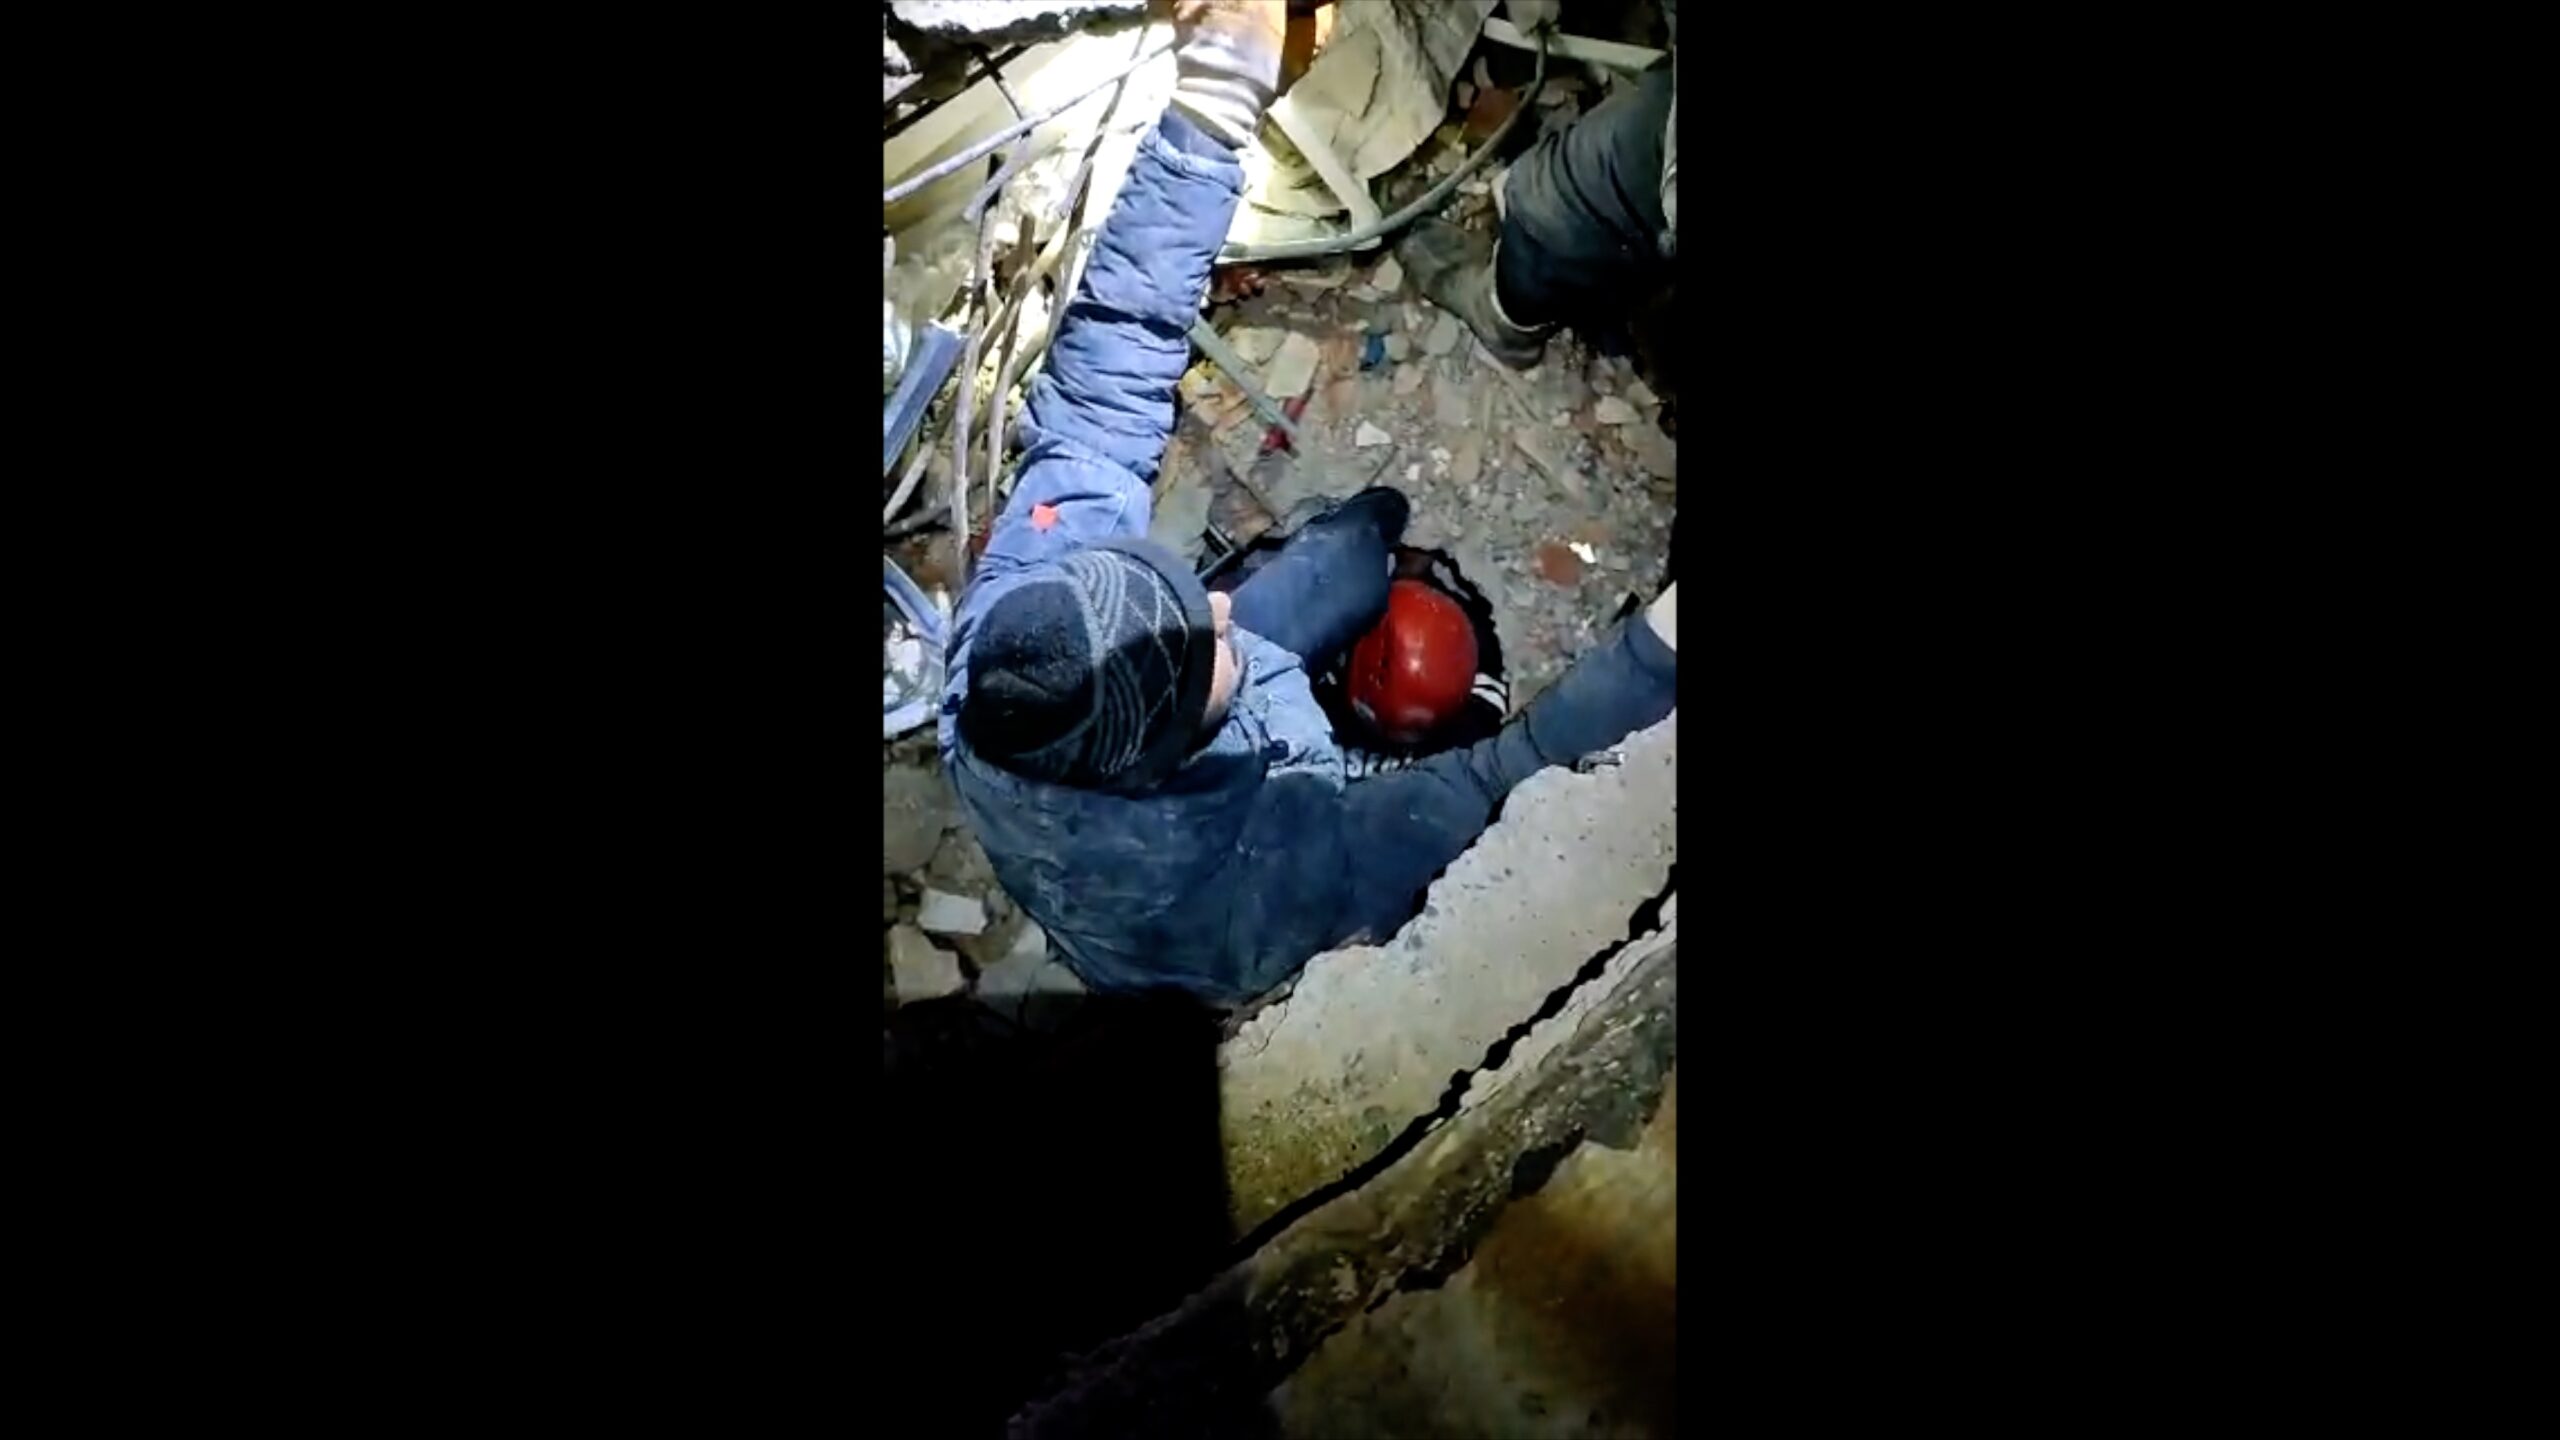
column 1589, row 216
column 1143, row 761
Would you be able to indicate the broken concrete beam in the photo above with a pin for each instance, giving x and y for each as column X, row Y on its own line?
column 993, row 23
column 1600, row 1074
column 1371, row 1037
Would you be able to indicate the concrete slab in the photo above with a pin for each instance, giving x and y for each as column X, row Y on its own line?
column 1012, row 22
column 1372, row 1036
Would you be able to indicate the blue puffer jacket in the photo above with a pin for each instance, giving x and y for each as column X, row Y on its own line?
column 1258, row 853
column 1226, row 877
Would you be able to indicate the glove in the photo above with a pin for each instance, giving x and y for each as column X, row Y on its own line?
column 1226, row 60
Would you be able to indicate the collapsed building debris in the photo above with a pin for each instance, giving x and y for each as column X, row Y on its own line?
column 1599, row 1078
column 1363, row 1131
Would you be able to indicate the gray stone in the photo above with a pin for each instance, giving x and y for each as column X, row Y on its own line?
column 1293, row 368
column 1256, row 344
column 1613, row 411
column 961, row 864
column 920, row 969
column 1445, row 334
column 1371, row 437
column 1641, row 393
column 1546, row 450
column 947, row 914
column 1409, row 378
column 1449, row 404
column 1466, row 461
column 1399, row 346
column 1388, row 275
column 1658, row 453
column 915, row 805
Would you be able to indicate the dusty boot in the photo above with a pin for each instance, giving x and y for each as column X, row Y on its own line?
column 1454, row 268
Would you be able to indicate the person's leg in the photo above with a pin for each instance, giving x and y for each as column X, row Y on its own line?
column 1582, row 215
column 1580, row 235
column 1328, row 585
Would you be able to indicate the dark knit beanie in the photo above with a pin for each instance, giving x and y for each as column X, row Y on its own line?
column 1096, row 672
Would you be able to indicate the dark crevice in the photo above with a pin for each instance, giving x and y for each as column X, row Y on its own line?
column 1643, row 921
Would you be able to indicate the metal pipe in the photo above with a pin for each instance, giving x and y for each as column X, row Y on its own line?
column 980, row 70
column 907, row 484
column 1077, row 189
column 1224, row 356
column 987, row 144
column 1634, row 59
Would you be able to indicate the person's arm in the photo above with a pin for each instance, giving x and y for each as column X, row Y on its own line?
column 1095, row 426
column 1402, row 829
column 1099, row 414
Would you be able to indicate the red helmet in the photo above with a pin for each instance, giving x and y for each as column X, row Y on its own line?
column 1411, row 674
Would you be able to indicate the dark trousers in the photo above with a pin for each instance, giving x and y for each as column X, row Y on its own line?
column 1328, row 585
column 1582, row 214
column 1322, row 592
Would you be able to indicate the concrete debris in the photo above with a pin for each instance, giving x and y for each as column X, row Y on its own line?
column 1409, row 378
column 1312, row 1092
column 1388, row 276
column 1399, row 346
column 920, row 969
column 1181, row 508
column 915, row 806
column 1293, row 369
column 1256, row 344
column 1545, row 450
column 907, row 680
column 1026, row 978
column 1655, row 451
column 947, row 914
column 1371, row 437
column 1641, row 393
column 1466, row 462
column 1445, row 334
column 995, row 23
column 1452, row 403
column 1613, row 411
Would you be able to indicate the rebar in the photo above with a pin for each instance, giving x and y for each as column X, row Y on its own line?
column 987, row 144
column 984, row 66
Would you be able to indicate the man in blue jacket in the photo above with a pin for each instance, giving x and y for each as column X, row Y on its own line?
column 1152, row 779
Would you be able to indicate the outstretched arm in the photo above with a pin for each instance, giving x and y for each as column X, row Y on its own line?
column 1098, row 417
